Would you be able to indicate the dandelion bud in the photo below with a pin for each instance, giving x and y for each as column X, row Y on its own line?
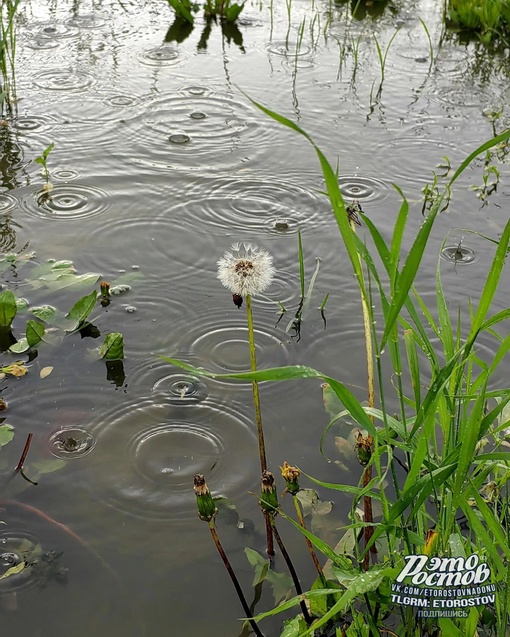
column 206, row 507
column 269, row 496
column 291, row 477
column 363, row 448
column 238, row 300
column 104, row 297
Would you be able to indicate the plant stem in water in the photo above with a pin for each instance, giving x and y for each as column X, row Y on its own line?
column 315, row 559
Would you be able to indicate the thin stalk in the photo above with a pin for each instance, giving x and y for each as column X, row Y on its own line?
column 367, row 474
column 313, row 554
column 255, row 385
column 234, row 579
column 292, row 570
column 258, row 414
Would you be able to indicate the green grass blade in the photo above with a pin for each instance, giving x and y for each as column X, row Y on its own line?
column 481, row 149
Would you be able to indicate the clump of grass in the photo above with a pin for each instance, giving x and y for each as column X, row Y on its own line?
column 488, row 18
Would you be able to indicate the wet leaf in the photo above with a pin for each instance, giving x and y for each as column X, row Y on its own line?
column 259, row 563
column 59, row 281
column 46, row 313
column 45, row 371
column 113, row 346
column 34, row 332
column 294, row 627
column 49, row 465
column 13, row 570
column 8, row 308
column 6, row 434
column 82, row 308
column 19, row 347
column 312, row 504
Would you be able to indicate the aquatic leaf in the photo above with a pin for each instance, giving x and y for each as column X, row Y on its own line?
column 113, row 346
column 13, row 570
column 45, row 371
column 6, row 434
column 46, row 313
column 34, row 332
column 48, row 465
column 259, row 563
column 312, row 504
column 82, row 308
column 294, row 627
column 8, row 308
column 19, row 347
column 331, row 402
column 63, row 281
column 281, row 583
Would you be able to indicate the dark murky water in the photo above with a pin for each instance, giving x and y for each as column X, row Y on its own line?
column 160, row 163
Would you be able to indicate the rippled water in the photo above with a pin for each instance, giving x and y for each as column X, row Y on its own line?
column 160, row 163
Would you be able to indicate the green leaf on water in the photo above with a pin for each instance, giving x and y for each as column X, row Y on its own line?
column 6, row 434
column 113, row 347
column 20, row 346
column 46, row 313
column 34, row 332
column 260, row 565
column 82, row 308
column 57, row 281
column 281, row 583
column 48, row 466
column 8, row 308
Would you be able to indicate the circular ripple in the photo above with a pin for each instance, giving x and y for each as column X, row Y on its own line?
column 163, row 248
column 287, row 49
column 165, row 55
column 63, row 80
column 180, row 389
column 254, row 205
column 197, row 126
column 53, row 30
column 15, row 546
column 40, row 43
column 28, row 123
column 68, row 201
column 159, row 448
column 122, row 100
column 220, row 344
column 459, row 254
column 7, row 202
column 71, row 442
column 64, row 174
column 365, row 188
column 86, row 21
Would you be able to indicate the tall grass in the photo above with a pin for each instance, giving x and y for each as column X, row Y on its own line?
column 437, row 467
column 8, row 10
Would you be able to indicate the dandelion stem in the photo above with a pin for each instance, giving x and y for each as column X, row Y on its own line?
column 255, row 385
column 315, row 559
column 234, row 579
column 292, row 570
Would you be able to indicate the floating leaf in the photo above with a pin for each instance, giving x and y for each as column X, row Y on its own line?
column 6, row 434
column 8, row 308
column 13, row 570
column 312, row 504
column 34, row 332
column 113, row 346
column 45, row 371
column 82, row 308
column 281, row 583
column 19, row 347
column 48, row 466
column 260, row 565
column 331, row 402
column 46, row 313
column 58, row 281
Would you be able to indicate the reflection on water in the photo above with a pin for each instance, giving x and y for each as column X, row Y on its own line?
column 156, row 172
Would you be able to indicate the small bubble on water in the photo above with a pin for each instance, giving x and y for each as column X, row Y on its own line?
column 197, row 115
column 130, row 309
column 179, row 137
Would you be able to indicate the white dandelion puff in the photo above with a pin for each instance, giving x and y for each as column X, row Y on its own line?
column 246, row 269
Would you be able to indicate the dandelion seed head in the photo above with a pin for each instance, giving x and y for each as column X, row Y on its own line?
column 246, row 269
